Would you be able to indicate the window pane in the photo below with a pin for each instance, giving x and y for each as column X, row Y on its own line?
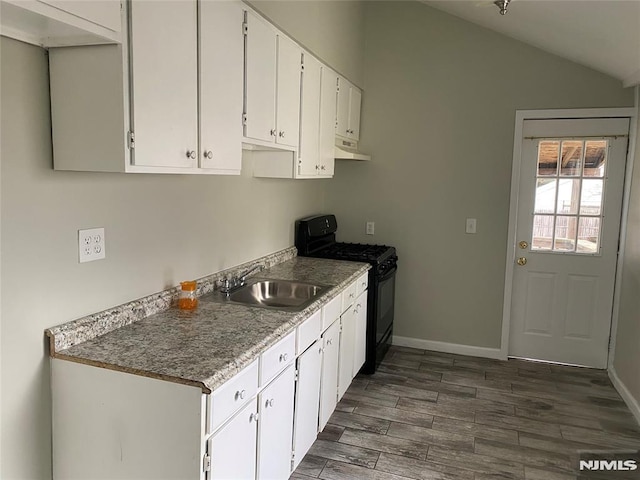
column 595, row 158
column 548, row 158
column 566, row 229
column 542, row 232
column 589, row 235
column 571, row 158
column 545, row 195
column 568, row 196
column 591, row 198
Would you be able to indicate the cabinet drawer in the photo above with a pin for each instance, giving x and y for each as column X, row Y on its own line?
column 362, row 284
column 277, row 357
column 331, row 311
column 232, row 395
column 308, row 332
column 348, row 297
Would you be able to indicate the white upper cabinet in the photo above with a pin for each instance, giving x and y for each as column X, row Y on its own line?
column 55, row 23
column 139, row 108
column 288, row 92
column 328, row 105
column 272, row 86
column 164, row 65
column 221, row 82
column 260, row 79
column 308, row 153
column 349, row 102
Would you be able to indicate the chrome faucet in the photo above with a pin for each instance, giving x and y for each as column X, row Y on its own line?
column 233, row 283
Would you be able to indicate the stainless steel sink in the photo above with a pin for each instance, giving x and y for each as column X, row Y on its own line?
column 280, row 294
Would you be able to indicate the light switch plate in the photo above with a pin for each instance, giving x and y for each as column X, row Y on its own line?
column 371, row 228
column 471, row 225
column 91, row 245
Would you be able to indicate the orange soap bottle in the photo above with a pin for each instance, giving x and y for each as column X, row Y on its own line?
column 188, row 299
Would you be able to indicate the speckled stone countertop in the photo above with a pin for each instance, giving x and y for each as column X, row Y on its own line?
column 209, row 345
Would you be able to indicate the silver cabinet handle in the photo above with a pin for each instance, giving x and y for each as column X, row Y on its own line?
column 208, row 154
column 281, row 134
column 269, row 403
column 253, row 417
column 240, row 394
column 283, row 357
column 191, row 154
column 272, row 132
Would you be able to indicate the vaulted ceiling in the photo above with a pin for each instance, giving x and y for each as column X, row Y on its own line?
column 601, row 34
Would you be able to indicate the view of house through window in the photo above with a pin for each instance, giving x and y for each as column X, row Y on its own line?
column 569, row 194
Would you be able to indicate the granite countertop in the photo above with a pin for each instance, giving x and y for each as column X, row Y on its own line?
column 209, row 345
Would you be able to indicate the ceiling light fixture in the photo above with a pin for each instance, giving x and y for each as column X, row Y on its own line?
column 502, row 5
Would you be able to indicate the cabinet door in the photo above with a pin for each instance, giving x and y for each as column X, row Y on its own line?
column 328, row 104
column 355, row 100
column 275, row 431
column 308, row 153
column 307, row 404
column 360, row 339
column 221, row 85
column 233, row 448
column 260, row 81
column 288, row 92
column 347, row 344
column 342, row 122
column 329, row 382
column 164, row 91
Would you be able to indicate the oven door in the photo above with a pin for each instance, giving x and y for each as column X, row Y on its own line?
column 385, row 295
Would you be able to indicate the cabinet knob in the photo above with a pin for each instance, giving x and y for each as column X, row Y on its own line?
column 272, row 132
column 329, row 341
column 240, row 394
column 364, row 284
column 253, row 417
column 322, row 167
column 208, row 154
column 269, row 403
column 281, row 134
column 317, row 167
column 351, row 295
column 191, row 154
column 283, row 357
column 358, row 306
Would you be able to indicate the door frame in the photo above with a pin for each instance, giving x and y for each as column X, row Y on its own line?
column 521, row 116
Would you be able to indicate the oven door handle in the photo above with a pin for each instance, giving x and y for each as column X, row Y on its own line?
column 388, row 275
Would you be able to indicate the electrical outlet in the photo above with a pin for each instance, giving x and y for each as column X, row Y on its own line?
column 91, row 245
column 371, row 228
column 471, row 225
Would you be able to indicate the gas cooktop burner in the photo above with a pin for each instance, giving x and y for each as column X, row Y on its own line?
column 357, row 251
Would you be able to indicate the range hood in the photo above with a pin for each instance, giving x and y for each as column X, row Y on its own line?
column 348, row 150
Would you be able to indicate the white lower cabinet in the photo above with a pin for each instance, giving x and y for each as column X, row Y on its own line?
column 360, row 338
column 307, row 402
column 233, row 448
column 275, row 428
column 329, row 385
column 347, row 342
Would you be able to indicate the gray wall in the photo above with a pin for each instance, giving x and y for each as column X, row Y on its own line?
column 439, row 103
column 627, row 352
column 332, row 30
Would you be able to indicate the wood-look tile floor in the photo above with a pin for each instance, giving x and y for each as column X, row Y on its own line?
column 428, row 415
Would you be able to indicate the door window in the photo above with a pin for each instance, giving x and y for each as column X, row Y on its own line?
column 569, row 192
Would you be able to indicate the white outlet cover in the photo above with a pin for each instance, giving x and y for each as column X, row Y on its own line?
column 370, row 228
column 470, row 225
column 91, row 245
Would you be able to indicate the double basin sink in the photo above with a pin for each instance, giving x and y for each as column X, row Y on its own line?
column 279, row 294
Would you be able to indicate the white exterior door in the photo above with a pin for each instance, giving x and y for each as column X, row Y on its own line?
column 568, row 223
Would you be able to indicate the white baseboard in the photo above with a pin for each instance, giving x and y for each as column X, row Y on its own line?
column 448, row 347
column 624, row 392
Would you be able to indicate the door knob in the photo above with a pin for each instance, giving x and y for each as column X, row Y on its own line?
column 523, row 244
column 522, row 261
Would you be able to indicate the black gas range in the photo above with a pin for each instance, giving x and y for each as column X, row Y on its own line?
column 316, row 237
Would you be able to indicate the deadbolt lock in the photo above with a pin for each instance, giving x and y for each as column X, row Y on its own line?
column 523, row 244
column 522, row 261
